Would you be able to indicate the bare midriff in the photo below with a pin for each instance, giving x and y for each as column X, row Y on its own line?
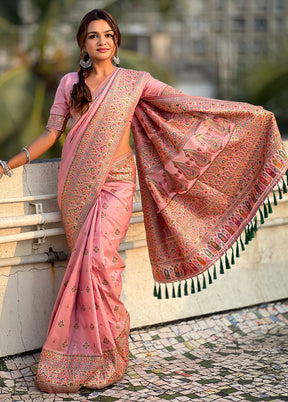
column 124, row 146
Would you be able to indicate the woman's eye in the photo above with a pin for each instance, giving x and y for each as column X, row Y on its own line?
column 92, row 36
column 109, row 35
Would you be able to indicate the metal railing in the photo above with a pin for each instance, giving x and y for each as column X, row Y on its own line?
column 40, row 220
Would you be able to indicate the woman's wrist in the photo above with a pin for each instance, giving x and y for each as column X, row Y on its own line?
column 6, row 169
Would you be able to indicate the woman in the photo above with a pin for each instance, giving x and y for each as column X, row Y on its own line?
column 205, row 167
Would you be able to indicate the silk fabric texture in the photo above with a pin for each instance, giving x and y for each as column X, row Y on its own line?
column 204, row 166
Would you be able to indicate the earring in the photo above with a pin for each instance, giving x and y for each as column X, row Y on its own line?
column 116, row 60
column 85, row 62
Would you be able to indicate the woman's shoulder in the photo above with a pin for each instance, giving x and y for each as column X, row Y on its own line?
column 70, row 78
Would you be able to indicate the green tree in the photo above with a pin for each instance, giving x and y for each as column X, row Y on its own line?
column 266, row 84
column 28, row 89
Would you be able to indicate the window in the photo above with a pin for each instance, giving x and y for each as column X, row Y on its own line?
column 261, row 5
column 260, row 24
column 279, row 5
column 218, row 25
column 199, row 46
column 239, row 4
column 218, row 4
column 238, row 24
column 259, row 47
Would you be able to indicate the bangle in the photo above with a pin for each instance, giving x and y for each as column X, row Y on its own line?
column 28, row 159
column 6, row 170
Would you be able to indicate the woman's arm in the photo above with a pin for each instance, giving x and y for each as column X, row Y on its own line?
column 40, row 145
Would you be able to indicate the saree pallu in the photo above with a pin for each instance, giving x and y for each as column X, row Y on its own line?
column 205, row 168
column 87, row 343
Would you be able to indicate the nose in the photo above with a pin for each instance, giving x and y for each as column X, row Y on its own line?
column 101, row 39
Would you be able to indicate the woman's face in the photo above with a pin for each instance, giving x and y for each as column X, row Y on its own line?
column 99, row 43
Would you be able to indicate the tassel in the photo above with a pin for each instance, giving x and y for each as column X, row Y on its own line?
column 274, row 198
column 192, row 286
column 214, row 272
column 252, row 231
column 198, row 285
column 280, row 192
column 204, row 282
column 265, row 210
column 261, row 216
column 242, row 244
column 237, row 249
column 246, row 235
column 166, row 292
column 179, row 290
column 209, row 278
column 227, row 262
column 284, row 186
column 269, row 206
column 221, row 266
column 255, row 227
column 155, row 294
column 159, row 293
column 173, row 291
column 232, row 257
column 185, row 289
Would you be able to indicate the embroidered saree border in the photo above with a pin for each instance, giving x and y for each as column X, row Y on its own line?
column 57, row 122
column 59, row 372
column 95, row 151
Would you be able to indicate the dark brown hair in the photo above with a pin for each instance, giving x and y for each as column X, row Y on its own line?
column 81, row 95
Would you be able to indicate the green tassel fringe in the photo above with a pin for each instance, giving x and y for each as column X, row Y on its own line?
column 232, row 257
column 237, row 249
column 209, row 278
column 274, row 198
column 221, row 267
column 179, row 294
column 173, row 292
column 261, row 216
column 265, row 211
column 198, row 285
column 166, row 292
column 242, row 244
column 284, row 186
column 227, row 264
column 249, row 233
column 155, row 293
column 159, row 293
column 255, row 227
column 269, row 206
column 214, row 272
column 204, row 282
column 192, row 286
column 186, row 289
column 280, row 192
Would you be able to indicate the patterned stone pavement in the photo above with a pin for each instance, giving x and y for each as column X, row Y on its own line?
column 236, row 356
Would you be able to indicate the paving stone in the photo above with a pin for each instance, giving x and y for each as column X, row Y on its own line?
column 240, row 355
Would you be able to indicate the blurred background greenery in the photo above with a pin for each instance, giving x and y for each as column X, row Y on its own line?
column 229, row 49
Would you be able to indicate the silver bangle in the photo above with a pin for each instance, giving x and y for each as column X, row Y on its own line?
column 6, row 170
column 27, row 155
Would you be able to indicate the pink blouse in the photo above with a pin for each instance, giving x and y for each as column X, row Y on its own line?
column 61, row 111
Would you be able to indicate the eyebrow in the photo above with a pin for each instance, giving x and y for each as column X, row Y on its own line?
column 108, row 30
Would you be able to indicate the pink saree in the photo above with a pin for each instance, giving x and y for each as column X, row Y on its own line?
column 205, row 167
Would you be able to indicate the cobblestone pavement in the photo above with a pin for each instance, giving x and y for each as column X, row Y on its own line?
column 236, row 356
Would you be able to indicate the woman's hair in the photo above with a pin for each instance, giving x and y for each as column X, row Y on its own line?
column 80, row 94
